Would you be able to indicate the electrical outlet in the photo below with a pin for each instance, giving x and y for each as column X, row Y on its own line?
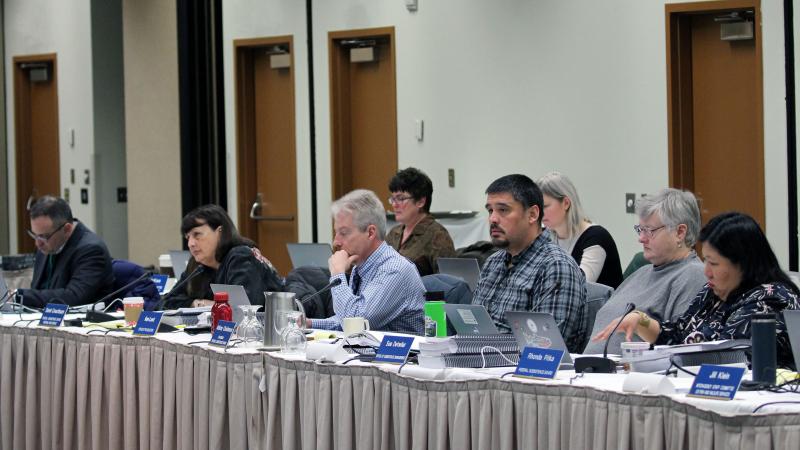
column 630, row 203
column 451, row 177
column 122, row 195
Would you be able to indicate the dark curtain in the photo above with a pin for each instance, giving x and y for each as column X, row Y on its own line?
column 202, row 114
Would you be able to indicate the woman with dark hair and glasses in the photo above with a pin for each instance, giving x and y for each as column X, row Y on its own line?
column 744, row 279
column 418, row 236
column 226, row 258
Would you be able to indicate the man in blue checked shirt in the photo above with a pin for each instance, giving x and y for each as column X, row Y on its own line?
column 530, row 273
column 385, row 288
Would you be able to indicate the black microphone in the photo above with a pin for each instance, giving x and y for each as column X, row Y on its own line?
column 594, row 364
column 98, row 316
column 327, row 288
column 180, row 284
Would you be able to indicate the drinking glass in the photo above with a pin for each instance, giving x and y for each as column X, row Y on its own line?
column 250, row 330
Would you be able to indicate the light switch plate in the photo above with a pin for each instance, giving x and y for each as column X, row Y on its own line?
column 630, row 203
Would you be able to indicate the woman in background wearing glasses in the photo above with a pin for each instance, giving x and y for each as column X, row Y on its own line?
column 669, row 222
column 418, row 236
column 744, row 279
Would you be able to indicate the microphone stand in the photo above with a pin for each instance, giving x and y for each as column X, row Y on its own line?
column 595, row 364
column 98, row 316
column 174, row 289
column 327, row 288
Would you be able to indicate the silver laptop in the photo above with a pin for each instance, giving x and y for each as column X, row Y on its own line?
column 470, row 319
column 180, row 258
column 792, row 318
column 308, row 254
column 237, row 296
column 465, row 268
column 535, row 329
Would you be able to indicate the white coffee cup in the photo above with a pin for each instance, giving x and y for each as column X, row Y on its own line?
column 352, row 325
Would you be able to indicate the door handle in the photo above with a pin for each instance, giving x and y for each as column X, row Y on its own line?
column 255, row 211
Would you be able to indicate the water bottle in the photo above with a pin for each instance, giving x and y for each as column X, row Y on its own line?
column 762, row 333
column 221, row 309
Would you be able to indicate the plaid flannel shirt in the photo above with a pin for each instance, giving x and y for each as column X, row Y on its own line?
column 543, row 278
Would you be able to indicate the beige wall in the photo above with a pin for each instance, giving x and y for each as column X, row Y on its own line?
column 152, row 133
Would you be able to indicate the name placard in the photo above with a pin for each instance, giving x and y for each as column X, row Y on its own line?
column 538, row 362
column 148, row 322
column 717, row 382
column 394, row 349
column 53, row 315
column 160, row 281
column 222, row 335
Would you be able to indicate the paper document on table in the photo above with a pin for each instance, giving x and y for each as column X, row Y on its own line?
column 187, row 311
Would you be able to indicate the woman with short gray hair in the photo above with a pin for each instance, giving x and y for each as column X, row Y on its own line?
column 669, row 222
column 675, row 208
column 590, row 245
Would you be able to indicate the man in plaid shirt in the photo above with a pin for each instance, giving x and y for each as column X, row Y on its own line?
column 530, row 273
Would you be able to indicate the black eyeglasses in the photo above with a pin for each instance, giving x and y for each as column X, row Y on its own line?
column 45, row 237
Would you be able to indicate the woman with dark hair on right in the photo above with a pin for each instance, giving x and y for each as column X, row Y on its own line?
column 744, row 279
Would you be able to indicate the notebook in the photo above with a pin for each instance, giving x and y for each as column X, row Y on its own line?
column 535, row 329
column 470, row 319
column 499, row 350
column 309, row 254
column 179, row 258
column 465, row 268
column 237, row 297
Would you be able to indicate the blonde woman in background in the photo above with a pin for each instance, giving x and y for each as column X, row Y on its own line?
column 590, row 245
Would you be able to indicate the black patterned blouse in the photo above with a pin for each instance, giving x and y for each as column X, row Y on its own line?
column 709, row 318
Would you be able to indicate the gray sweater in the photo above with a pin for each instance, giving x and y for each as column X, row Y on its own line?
column 662, row 292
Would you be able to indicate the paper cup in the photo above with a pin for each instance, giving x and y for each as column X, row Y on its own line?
column 133, row 307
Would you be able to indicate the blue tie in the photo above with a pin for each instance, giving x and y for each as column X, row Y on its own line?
column 356, row 280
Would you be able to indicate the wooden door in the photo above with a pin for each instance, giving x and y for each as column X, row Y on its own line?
column 716, row 112
column 363, row 111
column 38, row 162
column 267, row 171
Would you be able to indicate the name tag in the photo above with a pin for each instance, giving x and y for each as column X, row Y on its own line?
column 717, row 382
column 53, row 315
column 538, row 362
column 222, row 335
column 160, row 282
column 394, row 349
column 148, row 323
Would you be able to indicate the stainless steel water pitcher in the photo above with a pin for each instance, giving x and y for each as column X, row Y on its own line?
column 276, row 307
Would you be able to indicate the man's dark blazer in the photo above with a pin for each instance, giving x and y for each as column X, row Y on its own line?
column 81, row 272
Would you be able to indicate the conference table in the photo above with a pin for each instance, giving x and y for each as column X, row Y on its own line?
column 82, row 388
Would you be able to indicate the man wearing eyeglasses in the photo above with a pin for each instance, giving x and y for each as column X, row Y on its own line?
column 72, row 265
